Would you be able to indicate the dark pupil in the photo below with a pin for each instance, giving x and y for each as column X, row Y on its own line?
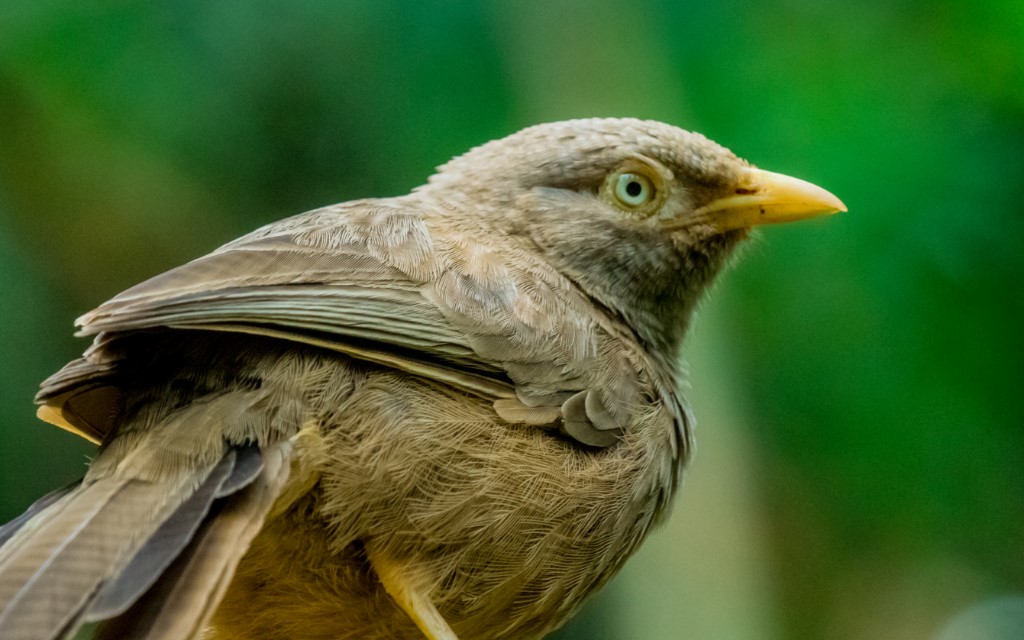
column 634, row 188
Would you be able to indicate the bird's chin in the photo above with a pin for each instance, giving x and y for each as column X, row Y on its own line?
column 724, row 242
column 707, row 236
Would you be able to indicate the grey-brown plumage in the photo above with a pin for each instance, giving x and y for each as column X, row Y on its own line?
column 449, row 414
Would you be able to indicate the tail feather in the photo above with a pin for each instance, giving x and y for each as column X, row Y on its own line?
column 52, row 573
column 157, row 553
column 90, row 552
column 104, row 548
column 8, row 530
column 184, row 598
column 35, row 545
column 248, row 465
column 37, row 526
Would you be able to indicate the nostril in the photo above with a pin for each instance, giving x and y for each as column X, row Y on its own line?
column 745, row 192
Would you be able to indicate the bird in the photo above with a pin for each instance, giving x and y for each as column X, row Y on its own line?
column 452, row 414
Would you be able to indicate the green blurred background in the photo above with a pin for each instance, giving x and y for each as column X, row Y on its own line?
column 860, row 469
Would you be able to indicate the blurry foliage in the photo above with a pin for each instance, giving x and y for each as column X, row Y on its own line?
column 861, row 467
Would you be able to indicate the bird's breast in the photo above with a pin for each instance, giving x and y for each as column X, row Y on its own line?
column 508, row 526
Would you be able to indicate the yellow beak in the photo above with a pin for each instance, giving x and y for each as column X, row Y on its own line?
column 763, row 197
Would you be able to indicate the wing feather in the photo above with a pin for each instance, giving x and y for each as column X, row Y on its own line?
column 376, row 281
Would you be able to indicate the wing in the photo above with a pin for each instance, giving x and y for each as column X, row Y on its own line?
column 379, row 281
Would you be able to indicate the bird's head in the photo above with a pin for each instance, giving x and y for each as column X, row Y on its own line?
column 639, row 214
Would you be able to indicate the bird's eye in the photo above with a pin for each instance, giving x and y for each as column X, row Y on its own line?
column 633, row 189
column 639, row 186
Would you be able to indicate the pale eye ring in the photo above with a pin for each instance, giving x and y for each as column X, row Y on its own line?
column 633, row 189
